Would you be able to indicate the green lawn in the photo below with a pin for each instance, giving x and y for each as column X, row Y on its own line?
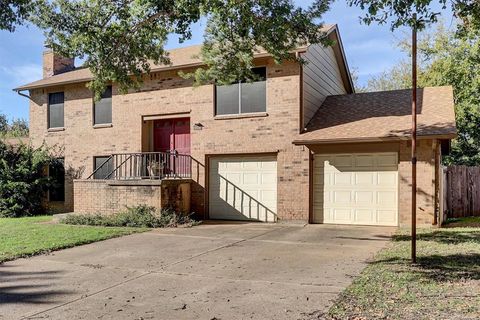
column 445, row 284
column 20, row 237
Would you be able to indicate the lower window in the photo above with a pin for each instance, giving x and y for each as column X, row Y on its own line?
column 56, row 172
column 103, row 167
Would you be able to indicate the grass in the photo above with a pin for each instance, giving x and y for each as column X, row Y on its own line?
column 444, row 284
column 463, row 222
column 22, row 237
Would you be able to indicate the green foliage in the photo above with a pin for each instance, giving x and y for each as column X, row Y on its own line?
column 22, row 179
column 15, row 128
column 453, row 60
column 119, row 40
column 23, row 237
column 446, row 58
column 400, row 12
column 14, row 12
column 3, row 123
column 18, row 128
column 395, row 78
column 141, row 216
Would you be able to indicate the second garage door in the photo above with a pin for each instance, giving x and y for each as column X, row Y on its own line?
column 356, row 189
column 243, row 188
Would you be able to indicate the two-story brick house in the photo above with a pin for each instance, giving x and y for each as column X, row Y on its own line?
column 298, row 145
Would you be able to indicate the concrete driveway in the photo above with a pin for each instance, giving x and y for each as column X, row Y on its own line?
column 213, row 271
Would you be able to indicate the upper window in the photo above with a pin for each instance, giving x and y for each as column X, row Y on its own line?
column 56, row 172
column 243, row 97
column 104, row 165
column 102, row 110
column 55, row 110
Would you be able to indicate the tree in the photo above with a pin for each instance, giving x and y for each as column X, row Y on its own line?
column 397, row 77
column 3, row 123
column 17, row 127
column 400, row 12
column 120, row 39
column 22, row 180
column 14, row 12
column 447, row 58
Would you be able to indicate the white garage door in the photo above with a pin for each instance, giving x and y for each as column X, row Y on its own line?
column 243, row 188
column 356, row 189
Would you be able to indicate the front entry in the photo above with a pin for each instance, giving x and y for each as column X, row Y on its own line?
column 172, row 138
column 171, row 135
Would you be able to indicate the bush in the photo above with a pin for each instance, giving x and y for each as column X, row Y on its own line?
column 141, row 216
column 23, row 182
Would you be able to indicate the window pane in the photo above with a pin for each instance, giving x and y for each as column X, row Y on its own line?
column 103, row 108
column 55, row 110
column 227, row 99
column 261, row 72
column 55, row 98
column 254, row 97
column 105, row 170
column 57, row 173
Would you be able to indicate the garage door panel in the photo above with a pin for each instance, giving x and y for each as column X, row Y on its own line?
column 387, row 178
column 387, row 217
column 251, row 178
column 268, row 196
column 342, row 178
column 364, row 197
column 342, row 197
column 364, row 178
column 356, row 189
column 269, row 178
column 342, row 215
column 386, row 198
column 234, row 178
column 243, row 188
column 364, row 215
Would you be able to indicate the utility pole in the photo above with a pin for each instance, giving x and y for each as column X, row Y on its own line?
column 414, row 139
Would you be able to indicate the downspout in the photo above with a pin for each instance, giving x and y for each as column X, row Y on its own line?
column 23, row 94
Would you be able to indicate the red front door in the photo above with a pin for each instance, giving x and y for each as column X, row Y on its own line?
column 172, row 135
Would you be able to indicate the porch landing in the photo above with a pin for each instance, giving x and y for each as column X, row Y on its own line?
column 112, row 196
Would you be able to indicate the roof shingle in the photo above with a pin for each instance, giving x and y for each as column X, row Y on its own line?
column 383, row 115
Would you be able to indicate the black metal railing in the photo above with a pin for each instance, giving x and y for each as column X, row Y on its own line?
column 144, row 165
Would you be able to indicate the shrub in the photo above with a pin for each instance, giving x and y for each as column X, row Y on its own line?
column 23, row 182
column 141, row 216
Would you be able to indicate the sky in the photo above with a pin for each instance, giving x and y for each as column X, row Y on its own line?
column 369, row 50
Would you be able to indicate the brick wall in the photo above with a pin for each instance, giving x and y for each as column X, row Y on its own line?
column 426, row 205
column 166, row 93
column 108, row 197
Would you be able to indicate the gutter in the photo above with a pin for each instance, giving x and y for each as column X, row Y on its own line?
column 19, row 92
column 307, row 142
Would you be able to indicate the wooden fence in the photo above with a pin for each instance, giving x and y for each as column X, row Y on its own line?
column 461, row 191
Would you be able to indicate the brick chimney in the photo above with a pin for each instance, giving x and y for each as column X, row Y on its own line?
column 53, row 63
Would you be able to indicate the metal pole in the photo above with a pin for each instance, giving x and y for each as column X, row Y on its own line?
column 414, row 140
